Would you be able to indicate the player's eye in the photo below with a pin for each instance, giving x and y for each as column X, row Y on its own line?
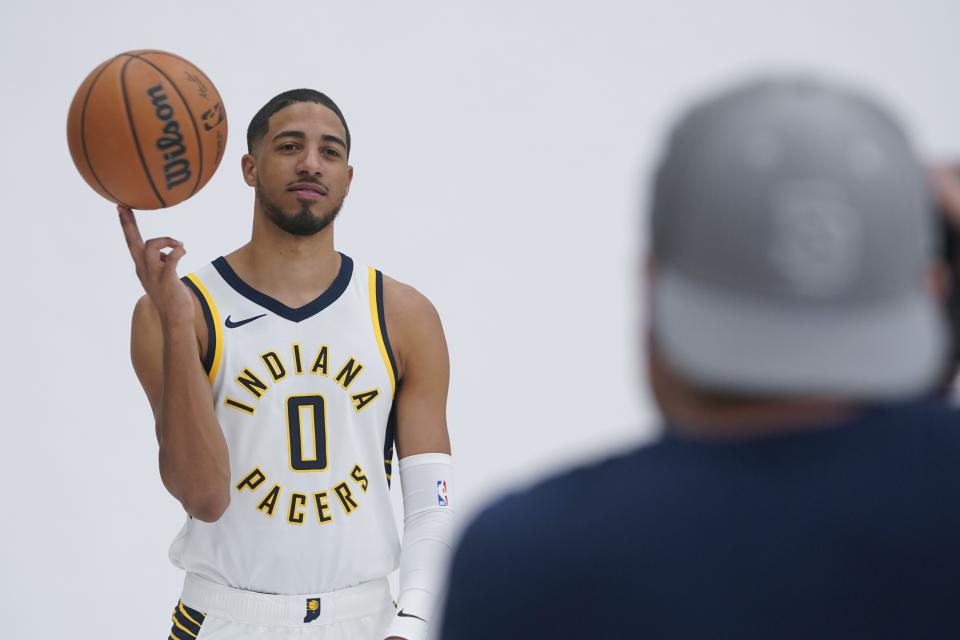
column 330, row 151
column 288, row 146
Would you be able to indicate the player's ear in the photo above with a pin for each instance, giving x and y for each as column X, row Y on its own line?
column 349, row 180
column 248, row 164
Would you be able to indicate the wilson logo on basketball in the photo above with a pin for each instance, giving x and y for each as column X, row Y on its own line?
column 177, row 169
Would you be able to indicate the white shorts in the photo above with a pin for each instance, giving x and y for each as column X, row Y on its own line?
column 208, row 610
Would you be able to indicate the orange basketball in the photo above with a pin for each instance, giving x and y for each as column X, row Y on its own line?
column 147, row 129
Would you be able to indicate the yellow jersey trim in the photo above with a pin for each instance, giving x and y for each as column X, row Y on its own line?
column 182, row 628
column 379, row 331
column 187, row 615
column 217, row 330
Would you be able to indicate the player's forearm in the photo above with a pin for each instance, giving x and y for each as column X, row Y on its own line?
column 194, row 462
column 427, row 541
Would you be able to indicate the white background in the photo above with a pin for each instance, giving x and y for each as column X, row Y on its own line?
column 501, row 152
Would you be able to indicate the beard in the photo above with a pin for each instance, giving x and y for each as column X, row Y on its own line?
column 301, row 223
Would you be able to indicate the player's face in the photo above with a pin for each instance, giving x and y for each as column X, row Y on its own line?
column 300, row 169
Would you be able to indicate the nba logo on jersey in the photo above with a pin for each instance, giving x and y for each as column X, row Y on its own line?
column 442, row 493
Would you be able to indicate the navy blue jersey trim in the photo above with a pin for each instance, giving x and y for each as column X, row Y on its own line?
column 179, row 634
column 383, row 328
column 208, row 318
column 328, row 297
column 186, row 627
column 193, row 613
column 388, row 442
column 186, row 623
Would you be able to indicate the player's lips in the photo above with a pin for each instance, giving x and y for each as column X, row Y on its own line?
column 308, row 190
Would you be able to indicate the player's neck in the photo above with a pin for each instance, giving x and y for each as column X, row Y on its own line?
column 293, row 269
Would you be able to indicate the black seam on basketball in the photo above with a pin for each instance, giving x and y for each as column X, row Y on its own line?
column 193, row 120
column 83, row 132
column 180, row 58
column 133, row 131
column 223, row 109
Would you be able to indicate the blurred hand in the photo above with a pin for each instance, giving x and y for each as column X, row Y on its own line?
column 157, row 271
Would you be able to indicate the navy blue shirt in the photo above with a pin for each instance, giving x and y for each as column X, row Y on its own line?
column 851, row 531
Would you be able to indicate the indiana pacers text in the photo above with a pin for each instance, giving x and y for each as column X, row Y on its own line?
column 305, row 414
column 297, row 504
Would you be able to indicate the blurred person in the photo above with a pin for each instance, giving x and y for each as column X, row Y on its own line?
column 946, row 186
column 280, row 376
column 803, row 486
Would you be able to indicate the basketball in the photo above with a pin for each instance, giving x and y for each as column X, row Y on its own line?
column 147, row 129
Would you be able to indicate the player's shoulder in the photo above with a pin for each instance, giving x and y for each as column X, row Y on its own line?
column 412, row 321
column 146, row 316
column 405, row 302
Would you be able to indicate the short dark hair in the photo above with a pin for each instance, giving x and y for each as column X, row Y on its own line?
column 261, row 121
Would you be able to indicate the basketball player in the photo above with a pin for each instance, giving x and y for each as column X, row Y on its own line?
column 802, row 487
column 280, row 376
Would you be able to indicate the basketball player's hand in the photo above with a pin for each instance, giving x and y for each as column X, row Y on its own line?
column 157, row 270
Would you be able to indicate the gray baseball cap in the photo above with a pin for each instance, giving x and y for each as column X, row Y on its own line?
column 793, row 235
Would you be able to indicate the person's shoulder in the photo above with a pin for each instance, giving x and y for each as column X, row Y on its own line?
column 529, row 550
column 934, row 424
column 933, row 418
column 550, row 502
column 405, row 303
column 414, row 327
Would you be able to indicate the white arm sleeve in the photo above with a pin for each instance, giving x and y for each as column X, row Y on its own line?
column 425, row 480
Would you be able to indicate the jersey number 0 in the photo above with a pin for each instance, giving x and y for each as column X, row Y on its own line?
column 313, row 457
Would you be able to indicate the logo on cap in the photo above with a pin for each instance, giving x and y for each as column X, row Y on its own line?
column 313, row 609
column 817, row 239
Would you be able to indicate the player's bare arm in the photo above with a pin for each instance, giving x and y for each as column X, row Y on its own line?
column 423, row 447
column 423, row 364
column 167, row 340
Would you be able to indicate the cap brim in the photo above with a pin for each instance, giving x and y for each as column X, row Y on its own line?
column 729, row 342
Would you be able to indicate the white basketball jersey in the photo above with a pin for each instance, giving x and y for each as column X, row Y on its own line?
column 304, row 397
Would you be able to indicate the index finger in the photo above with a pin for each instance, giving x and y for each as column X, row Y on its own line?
column 130, row 230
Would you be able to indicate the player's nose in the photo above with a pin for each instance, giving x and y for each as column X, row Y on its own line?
column 309, row 162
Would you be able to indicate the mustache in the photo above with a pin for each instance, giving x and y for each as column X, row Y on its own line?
column 310, row 180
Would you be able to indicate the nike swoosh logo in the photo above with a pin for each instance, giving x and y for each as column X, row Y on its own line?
column 409, row 615
column 239, row 323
